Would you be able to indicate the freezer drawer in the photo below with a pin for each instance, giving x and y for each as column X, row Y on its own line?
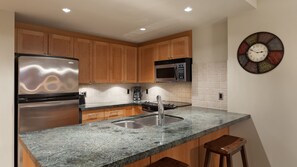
column 50, row 114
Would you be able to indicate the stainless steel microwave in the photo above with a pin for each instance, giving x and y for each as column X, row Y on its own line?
column 176, row 70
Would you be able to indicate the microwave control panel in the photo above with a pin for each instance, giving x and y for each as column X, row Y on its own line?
column 180, row 70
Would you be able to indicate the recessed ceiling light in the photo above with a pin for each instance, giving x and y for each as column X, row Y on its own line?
column 188, row 9
column 142, row 29
column 66, row 10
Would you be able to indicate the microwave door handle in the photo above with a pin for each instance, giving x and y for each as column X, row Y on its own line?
column 176, row 74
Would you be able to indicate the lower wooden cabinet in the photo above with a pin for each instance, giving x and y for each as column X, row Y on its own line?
column 191, row 152
column 110, row 113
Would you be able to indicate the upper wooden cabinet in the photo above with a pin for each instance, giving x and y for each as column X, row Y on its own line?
column 116, row 63
column 174, row 49
column 163, row 50
column 60, row 45
column 83, row 49
column 130, row 64
column 32, row 42
column 101, row 62
column 180, row 47
column 146, row 66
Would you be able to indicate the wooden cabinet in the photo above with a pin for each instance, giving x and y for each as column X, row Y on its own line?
column 93, row 115
column 83, row 51
column 180, row 47
column 60, row 45
column 110, row 113
column 101, row 62
column 146, row 67
column 116, row 63
column 32, row 42
column 130, row 64
column 163, row 50
column 141, row 163
column 187, row 153
column 214, row 162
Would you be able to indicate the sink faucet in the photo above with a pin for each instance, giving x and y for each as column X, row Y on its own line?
column 160, row 111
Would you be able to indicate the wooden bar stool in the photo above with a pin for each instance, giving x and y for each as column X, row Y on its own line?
column 226, row 146
column 168, row 162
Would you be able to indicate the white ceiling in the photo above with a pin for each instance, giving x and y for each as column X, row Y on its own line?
column 121, row 19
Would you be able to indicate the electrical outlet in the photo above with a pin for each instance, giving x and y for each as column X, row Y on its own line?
column 146, row 91
column 221, row 96
column 128, row 91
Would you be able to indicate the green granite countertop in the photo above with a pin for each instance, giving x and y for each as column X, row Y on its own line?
column 105, row 144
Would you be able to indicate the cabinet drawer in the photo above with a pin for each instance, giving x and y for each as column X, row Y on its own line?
column 93, row 116
column 113, row 114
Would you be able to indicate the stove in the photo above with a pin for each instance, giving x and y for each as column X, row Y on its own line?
column 168, row 105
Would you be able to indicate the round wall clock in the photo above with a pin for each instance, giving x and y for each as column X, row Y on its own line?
column 260, row 52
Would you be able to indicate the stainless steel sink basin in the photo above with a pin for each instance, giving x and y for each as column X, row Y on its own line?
column 149, row 120
column 128, row 124
column 152, row 120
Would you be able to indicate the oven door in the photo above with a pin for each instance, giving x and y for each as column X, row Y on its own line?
column 165, row 73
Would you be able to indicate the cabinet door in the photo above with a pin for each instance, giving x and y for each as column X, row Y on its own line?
column 146, row 66
column 187, row 153
column 60, row 45
column 83, row 52
column 115, row 113
column 215, row 159
column 141, row 163
column 180, row 47
column 130, row 65
column 32, row 42
column 101, row 62
column 163, row 50
column 116, row 63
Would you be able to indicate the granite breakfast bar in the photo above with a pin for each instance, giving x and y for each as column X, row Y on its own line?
column 105, row 144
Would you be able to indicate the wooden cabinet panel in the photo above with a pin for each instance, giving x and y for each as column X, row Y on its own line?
column 163, row 50
column 187, row 153
column 83, row 52
column 32, row 42
column 146, row 66
column 93, row 115
column 214, row 162
column 130, row 65
column 60, row 45
column 114, row 113
column 180, row 47
column 101, row 62
column 141, row 163
column 116, row 63
column 134, row 110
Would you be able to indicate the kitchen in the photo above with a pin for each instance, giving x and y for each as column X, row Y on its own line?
column 272, row 109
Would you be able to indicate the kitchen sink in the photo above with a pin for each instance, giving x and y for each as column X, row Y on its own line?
column 128, row 124
column 149, row 120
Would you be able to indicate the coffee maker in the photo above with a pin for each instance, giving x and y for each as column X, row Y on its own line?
column 136, row 93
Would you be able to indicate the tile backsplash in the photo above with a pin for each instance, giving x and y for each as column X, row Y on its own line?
column 118, row 92
column 209, row 79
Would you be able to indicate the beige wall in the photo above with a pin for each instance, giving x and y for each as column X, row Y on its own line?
column 270, row 98
column 7, row 87
column 210, row 66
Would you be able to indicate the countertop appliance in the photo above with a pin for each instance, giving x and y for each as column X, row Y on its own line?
column 47, row 92
column 136, row 93
column 176, row 70
column 148, row 106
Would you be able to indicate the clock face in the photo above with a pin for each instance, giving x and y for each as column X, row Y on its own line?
column 257, row 52
column 260, row 52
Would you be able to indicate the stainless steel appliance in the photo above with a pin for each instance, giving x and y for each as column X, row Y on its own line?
column 168, row 105
column 47, row 92
column 136, row 93
column 176, row 70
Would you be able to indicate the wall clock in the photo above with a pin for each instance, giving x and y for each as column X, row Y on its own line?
column 260, row 52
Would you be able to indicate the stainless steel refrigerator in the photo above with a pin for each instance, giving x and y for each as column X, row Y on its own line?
column 47, row 92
